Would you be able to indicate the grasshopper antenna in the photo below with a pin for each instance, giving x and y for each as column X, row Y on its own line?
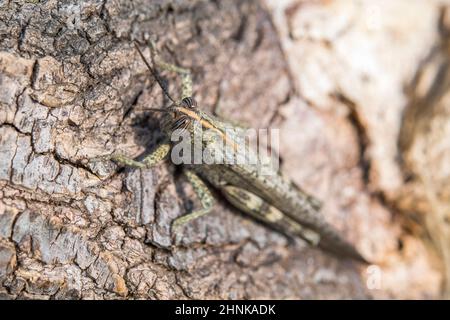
column 158, row 110
column 154, row 73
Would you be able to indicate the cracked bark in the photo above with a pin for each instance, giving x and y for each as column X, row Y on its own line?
column 72, row 88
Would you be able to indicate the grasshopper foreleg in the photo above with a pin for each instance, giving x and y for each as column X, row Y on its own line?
column 150, row 160
column 186, row 77
column 204, row 195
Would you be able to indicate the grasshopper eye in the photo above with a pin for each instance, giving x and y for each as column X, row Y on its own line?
column 189, row 102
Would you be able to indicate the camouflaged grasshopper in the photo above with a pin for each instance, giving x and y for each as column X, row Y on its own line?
column 269, row 198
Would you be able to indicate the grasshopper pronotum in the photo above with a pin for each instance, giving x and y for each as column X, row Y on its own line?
column 268, row 198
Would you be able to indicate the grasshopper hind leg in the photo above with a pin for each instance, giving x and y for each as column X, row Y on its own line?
column 258, row 208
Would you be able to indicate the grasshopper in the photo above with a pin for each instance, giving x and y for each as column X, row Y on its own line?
column 269, row 198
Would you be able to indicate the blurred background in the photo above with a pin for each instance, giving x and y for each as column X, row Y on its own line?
column 386, row 65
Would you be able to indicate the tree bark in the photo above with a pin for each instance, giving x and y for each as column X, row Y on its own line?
column 73, row 89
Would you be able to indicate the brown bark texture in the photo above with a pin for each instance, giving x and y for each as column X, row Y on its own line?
column 355, row 88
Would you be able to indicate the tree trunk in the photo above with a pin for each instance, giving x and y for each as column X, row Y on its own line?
column 74, row 89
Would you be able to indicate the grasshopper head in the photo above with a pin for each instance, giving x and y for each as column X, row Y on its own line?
column 188, row 102
column 181, row 115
